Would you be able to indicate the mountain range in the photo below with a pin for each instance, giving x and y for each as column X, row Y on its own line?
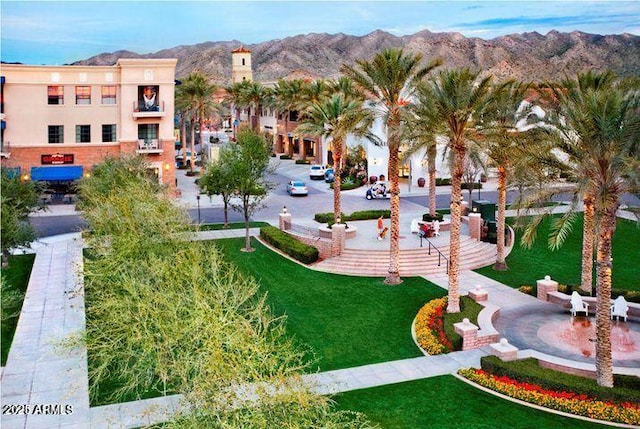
column 527, row 56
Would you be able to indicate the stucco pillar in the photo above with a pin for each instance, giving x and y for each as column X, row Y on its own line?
column 475, row 226
column 338, row 237
column 545, row 286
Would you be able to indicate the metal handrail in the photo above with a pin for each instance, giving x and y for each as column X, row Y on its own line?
column 440, row 254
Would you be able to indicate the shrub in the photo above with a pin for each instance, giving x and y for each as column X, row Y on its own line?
column 443, row 182
column 429, row 328
column 285, row 157
column 358, row 215
column 473, row 185
column 529, row 371
column 301, row 161
column 289, row 245
column 529, row 290
column 428, row 218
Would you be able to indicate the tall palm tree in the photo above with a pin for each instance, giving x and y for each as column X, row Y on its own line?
column 389, row 81
column 253, row 96
column 195, row 97
column 458, row 100
column 599, row 120
column 287, row 96
column 335, row 118
column 505, row 145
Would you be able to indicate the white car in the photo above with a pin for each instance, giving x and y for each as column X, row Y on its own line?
column 316, row 172
column 297, row 187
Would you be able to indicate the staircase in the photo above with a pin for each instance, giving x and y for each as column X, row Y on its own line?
column 413, row 262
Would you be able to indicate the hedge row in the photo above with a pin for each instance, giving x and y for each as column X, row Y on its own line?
column 285, row 157
column 629, row 295
column 301, row 161
column 443, row 182
column 428, row 218
column 474, row 185
column 359, row 215
column 289, row 245
column 529, row 371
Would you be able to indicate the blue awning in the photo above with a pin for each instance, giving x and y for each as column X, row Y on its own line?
column 63, row 172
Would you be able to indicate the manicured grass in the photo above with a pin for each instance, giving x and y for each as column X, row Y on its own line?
column 563, row 265
column 231, row 225
column 446, row 402
column 15, row 281
column 348, row 321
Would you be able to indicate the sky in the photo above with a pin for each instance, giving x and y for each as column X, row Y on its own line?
column 56, row 32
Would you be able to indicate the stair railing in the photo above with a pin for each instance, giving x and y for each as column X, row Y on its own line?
column 440, row 254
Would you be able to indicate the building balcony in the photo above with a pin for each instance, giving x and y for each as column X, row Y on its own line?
column 140, row 110
column 149, row 147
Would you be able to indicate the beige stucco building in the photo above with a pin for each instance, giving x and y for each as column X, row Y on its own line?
column 59, row 121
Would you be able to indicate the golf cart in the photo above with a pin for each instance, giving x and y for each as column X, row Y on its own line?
column 378, row 190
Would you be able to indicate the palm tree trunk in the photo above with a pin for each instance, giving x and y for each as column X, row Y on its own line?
column 501, row 264
column 588, row 235
column 604, row 365
column 193, row 145
column 431, row 166
column 286, row 133
column 453, row 302
column 337, row 180
column 393, row 276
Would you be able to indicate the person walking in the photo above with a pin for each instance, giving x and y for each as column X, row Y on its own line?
column 380, row 225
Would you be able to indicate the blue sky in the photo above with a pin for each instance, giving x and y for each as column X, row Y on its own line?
column 54, row 32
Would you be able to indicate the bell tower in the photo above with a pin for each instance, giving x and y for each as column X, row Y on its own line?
column 241, row 65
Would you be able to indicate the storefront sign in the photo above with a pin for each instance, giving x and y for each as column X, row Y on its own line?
column 56, row 158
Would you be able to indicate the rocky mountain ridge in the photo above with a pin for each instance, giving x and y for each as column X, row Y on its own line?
column 527, row 56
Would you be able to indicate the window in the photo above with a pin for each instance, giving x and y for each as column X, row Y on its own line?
column 83, row 133
column 55, row 95
column 109, row 94
column 56, row 134
column 147, row 132
column 83, row 95
column 243, row 62
column 109, row 133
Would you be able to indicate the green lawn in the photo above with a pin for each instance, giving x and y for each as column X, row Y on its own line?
column 14, row 286
column 348, row 321
column 446, row 402
column 563, row 265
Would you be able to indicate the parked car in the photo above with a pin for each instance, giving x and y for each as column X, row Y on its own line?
column 380, row 189
column 316, row 172
column 328, row 175
column 297, row 187
column 183, row 158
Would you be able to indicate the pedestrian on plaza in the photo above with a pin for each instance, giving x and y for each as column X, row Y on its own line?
column 380, row 225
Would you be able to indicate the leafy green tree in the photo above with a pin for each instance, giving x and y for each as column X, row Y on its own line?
column 18, row 200
column 335, row 118
column 389, row 81
column 218, row 179
column 249, row 162
column 457, row 100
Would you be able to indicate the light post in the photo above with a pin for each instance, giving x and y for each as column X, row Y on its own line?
column 479, row 186
column 198, row 199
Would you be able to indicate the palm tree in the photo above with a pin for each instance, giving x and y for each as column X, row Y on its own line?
column 458, row 99
column 287, row 96
column 195, row 97
column 388, row 81
column 253, row 96
column 504, row 146
column 335, row 118
column 599, row 121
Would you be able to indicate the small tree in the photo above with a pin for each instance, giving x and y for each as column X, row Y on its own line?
column 219, row 179
column 249, row 163
column 18, row 199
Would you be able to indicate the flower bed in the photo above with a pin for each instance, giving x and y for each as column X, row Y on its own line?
column 568, row 402
column 429, row 328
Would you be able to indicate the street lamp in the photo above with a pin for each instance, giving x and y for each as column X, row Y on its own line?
column 198, row 199
column 479, row 186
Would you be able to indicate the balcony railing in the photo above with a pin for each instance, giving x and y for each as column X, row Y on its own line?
column 140, row 110
column 149, row 146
